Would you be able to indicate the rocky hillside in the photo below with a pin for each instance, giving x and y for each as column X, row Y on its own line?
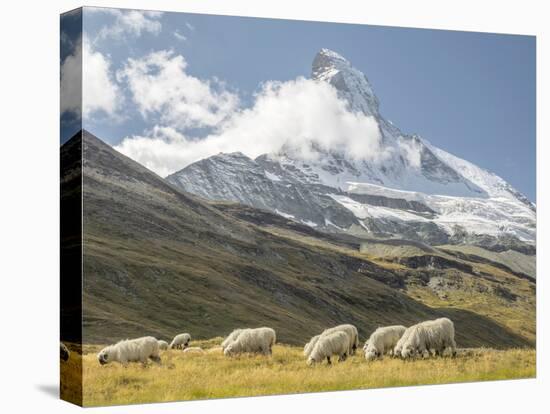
column 160, row 261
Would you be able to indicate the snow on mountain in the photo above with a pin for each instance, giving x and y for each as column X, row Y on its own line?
column 419, row 192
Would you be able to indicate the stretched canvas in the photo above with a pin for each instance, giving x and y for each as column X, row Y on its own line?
column 261, row 206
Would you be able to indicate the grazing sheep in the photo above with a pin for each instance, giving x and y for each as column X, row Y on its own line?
column 334, row 343
column 180, row 341
column 430, row 337
column 131, row 350
column 193, row 350
column 349, row 329
column 64, row 352
column 310, row 345
column 399, row 346
column 163, row 345
column 445, row 337
column 259, row 340
column 382, row 341
column 231, row 337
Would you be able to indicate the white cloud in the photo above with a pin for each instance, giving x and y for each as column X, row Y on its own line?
column 295, row 116
column 180, row 36
column 190, row 26
column 87, row 84
column 100, row 92
column 71, row 82
column 162, row 150
column 161, row 88
column 411, row 150
column 128, row 22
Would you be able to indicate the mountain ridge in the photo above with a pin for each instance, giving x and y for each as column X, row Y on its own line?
column 465, row 199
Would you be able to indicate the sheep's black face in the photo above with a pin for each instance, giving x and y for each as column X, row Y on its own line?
column 103, row 358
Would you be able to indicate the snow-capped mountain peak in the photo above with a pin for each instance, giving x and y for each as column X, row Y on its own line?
column 352, row 85
column 420, row 192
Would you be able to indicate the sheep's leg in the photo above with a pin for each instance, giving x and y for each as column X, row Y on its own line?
column 453, row 347
column 155, row 359
column 328, row 360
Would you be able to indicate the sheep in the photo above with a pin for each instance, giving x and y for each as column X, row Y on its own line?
column 445, row 338
column 180, row 341
column 193, row 350
column 131, row 350
column 351, row 331
column 65, row 354
column 163, row 345
column 231, row 337
column 334, row 343
column 430, row 337
column 310, row 345
column 382, row 341
column 399, row 346
column 259, row 340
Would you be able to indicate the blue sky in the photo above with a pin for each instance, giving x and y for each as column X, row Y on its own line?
column 471, row 94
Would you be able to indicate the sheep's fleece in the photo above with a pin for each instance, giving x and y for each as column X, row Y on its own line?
column 430, row 337
column 180, row 341
column 259, row 340
column 231, row 337
column 383, row 340
column 310, row 345
column 349, row 329
column 131, row 350
column 334, row 343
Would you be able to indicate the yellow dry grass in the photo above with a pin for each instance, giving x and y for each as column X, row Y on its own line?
column 211, row 375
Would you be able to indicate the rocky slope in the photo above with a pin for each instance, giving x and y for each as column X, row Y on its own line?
column 159, row 261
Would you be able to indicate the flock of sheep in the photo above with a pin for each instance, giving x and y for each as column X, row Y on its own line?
column 423, row 339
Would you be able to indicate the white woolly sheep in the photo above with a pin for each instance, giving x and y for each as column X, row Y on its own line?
column 399, row 346
column 310, row 345
column 163, row 345
column 64, row 352
column 335, row 343
column 382, row 341
column 349, row 329
column 430, row 337
column 259, row 340
column 231, row 337
column 131, row 350
column 180, row 341
column 193, row 350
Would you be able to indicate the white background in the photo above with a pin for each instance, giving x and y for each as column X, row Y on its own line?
column 29, row 206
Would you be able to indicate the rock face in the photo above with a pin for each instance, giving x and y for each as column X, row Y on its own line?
column 430, row 196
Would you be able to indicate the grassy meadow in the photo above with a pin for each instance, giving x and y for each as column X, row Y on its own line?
column 186, row 376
